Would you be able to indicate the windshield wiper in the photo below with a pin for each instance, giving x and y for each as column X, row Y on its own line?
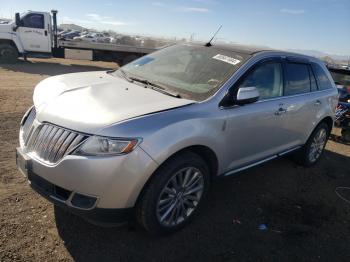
column 146, row 82
column 123, row 73
column 154, row 86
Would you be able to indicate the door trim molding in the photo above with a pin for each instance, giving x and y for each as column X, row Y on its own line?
column 236, row 170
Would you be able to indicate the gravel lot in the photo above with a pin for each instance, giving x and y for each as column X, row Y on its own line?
column 305, row 219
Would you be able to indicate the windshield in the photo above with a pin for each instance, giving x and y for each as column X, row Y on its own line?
column 193, row 71
column 341, row 77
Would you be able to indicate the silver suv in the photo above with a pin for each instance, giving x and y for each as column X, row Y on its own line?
column 147, row 139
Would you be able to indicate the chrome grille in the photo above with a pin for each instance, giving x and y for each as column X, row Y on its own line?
column 28, row 127
column 49, row 143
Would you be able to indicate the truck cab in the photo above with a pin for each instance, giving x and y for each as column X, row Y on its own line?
column 30, row 32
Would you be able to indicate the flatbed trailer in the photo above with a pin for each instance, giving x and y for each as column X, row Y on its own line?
column 35, row 34
column 104, row 51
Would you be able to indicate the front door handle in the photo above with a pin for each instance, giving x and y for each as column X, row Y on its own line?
column 280, row 111
column 45, row 32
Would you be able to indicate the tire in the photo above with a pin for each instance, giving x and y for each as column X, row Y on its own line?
column 8, row 54
column 152, row 215
column 307, row 156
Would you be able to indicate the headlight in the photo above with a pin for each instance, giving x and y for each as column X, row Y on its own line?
column 97, row 145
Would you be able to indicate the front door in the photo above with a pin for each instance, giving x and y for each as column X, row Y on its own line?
column 255, row 131
column 34, row 33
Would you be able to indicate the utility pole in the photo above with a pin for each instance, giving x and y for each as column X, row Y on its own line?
column 192, row 37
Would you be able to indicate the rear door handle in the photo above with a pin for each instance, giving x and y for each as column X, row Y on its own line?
column 280, row 111
column 45, row 32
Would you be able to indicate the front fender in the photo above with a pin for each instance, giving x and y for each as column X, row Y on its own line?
column 169, row 140
column 12, row 36
column 165, row 133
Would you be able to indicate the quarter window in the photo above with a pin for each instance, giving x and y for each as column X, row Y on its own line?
column 312, row 80
column 321, row 77
column 267, row 78
column 33, row 21
column 297, row 79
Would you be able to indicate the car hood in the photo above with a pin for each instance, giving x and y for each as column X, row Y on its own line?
column 88, row 102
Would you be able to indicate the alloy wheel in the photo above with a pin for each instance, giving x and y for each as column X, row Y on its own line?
column 317, row 145
column 180, row 196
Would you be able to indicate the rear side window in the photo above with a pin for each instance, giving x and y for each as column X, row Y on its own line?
column 33, row 21
column 297, row 79
column 323, row 81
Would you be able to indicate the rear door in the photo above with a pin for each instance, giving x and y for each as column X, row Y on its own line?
column 34, row 32
column 299, row 104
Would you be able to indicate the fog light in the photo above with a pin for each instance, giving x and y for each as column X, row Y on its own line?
column 82, row 201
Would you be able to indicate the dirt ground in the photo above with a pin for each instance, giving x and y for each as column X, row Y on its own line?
column 305, row 219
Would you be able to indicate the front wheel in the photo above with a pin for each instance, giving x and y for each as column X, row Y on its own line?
column 314, row 147
column 8, row 54
column 174, row 194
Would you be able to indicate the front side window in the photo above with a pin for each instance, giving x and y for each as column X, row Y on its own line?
column 267, row 78
column 297, row 79
column 321, row 77
column 33, row 21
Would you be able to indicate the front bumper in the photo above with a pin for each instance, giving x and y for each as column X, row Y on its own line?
column 99, row 216
column 112, row 182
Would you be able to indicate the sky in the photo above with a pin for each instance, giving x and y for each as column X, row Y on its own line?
column 321, row 25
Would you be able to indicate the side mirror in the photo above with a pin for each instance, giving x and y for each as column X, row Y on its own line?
column 17, row 22
column 17, row 19
column 246, row 95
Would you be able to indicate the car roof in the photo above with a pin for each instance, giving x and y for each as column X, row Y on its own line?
column 244, row 49
column 250, row 49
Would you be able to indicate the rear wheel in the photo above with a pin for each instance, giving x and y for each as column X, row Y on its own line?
column 314, row 147
column 174, row 194
column 8, row 53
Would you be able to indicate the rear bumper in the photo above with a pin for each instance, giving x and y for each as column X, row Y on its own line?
column 99, row 216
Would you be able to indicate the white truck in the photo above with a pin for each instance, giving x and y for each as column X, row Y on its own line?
column 35, row 34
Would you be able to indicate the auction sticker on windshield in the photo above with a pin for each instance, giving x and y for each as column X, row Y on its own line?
column 227, row 59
